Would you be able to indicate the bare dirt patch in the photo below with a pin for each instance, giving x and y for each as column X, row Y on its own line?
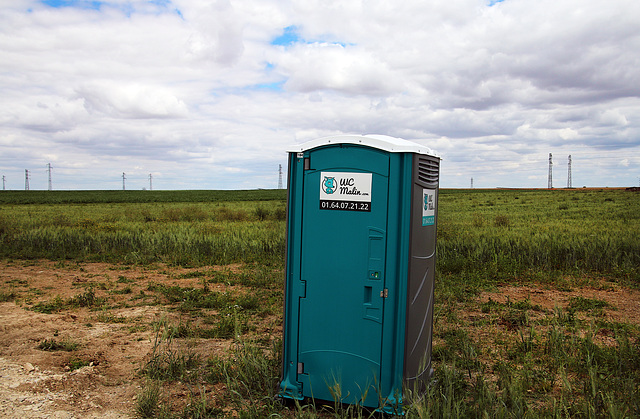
column 624, row 304
column 98, row 377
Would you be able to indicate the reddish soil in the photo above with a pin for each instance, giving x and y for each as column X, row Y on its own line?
column 624, row 304
column 35, row 383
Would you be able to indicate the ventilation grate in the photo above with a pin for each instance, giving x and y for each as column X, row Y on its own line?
column 428, row 170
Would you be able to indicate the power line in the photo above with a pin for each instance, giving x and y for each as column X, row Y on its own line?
column 492, row 158
column 49, row 165
column 492, row 166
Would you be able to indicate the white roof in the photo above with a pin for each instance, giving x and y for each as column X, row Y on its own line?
column 382, row 142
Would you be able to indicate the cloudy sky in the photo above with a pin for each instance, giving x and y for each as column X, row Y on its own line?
column 209, row 94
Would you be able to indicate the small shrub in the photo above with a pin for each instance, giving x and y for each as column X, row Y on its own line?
column 168, row 363
column 77, row 363
column 6, row 296
column 124, row 280
column 226, row 214
column 105, row 317
column 524, row 305
column 514, row 319
column 228, row 327
column 248, row 302
column 490, row 306
column 478, row 220
column 501, row 221
column 5, row 226
column 261, row 213
column 49, row 307
column 249, row 371
column 586, row 304
column 147, row 400
column 280, row 214
column 188, row 214
column 565, row 318
column 87, row 299
column 51, row 345
column 125, row 290
column 199, row 406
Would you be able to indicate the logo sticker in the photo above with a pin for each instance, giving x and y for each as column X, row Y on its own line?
column 428, row 207
column 329, row 185
column 345, row 191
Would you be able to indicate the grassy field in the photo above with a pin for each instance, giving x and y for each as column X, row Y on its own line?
column 183, row 227
column 137, row 197
column 494, row 356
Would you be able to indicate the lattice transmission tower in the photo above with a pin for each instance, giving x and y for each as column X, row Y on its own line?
column 279, row 176
column 569, row 172
column 150, row 182
column 26, row 179
column 123, row 179
column 49, row 170
column 550, row 182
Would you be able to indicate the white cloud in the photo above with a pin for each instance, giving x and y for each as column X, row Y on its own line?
column 132, row 100
column 196, row 93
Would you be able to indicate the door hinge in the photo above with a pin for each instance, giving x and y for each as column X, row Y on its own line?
column 300, row 368
column 384, row 293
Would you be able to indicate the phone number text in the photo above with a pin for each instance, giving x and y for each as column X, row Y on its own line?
column 345, row 206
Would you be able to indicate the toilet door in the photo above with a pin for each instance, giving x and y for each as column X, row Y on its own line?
column 344, row 222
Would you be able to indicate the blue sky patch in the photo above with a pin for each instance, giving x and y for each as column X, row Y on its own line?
column 276, row 86
column 289, row 37
column 81, row 4
column 162, row 6
column 161, row 3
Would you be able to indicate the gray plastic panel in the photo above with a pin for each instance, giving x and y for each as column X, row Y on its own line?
column 419, row 324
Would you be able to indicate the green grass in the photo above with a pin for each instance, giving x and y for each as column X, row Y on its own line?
column 174, row 233
column 586, row 304
column 52, row 345
column 560, row 374
column 115, row 196
column 495, row 234
column 147, row 400
column 167, row 362
column 85, row 299
column 77, row 363
column 491, row 358
column 488, row 233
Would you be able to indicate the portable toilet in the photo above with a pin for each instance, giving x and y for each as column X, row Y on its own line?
column 361, row 242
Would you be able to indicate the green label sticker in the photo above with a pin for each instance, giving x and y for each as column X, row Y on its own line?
column 428, row 207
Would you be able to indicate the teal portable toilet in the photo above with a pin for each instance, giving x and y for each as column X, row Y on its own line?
column 361, row 244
